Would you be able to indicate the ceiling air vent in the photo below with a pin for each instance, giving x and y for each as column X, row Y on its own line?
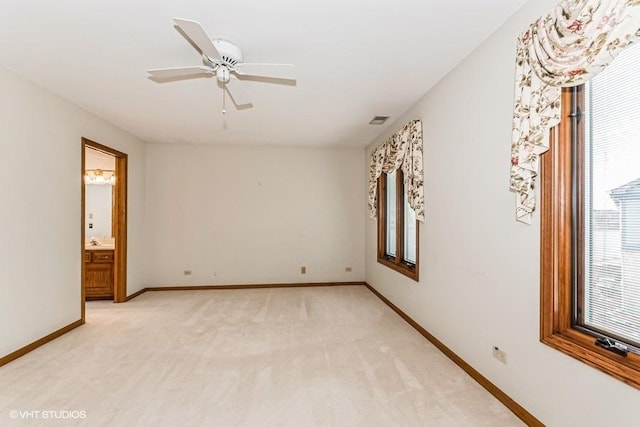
column 378, row 120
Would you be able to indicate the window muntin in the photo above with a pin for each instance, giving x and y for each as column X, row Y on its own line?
column 397, row 226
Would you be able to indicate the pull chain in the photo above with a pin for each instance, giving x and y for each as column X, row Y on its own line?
column 224, row 99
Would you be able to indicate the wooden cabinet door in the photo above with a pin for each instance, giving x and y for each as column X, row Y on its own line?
column 98, row 276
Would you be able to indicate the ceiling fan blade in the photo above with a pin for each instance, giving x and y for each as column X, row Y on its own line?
column 236, row 90
column 197, row 35
column 275, row 71
column 165, row 73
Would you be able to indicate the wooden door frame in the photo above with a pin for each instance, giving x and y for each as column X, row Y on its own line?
column 119, row 221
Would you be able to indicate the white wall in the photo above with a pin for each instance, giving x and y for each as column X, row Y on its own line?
column 40, row 248
column 238, row 215
column 479, row 268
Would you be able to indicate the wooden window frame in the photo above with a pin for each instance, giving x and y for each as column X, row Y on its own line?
column 557, row 328
column 398, row 262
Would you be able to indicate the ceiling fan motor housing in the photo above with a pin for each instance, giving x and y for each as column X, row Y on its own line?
column 230, row 53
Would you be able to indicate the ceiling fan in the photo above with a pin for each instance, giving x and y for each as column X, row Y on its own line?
column 224, row 60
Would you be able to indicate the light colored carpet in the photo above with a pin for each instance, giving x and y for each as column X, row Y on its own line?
column 328, row 356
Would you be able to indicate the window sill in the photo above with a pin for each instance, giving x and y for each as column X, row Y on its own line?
column 410, row 272
column 582, row 346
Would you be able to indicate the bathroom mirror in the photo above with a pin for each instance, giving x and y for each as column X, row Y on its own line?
column 98, row 210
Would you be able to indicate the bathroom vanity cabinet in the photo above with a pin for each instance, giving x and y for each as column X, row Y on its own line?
column 98, row 274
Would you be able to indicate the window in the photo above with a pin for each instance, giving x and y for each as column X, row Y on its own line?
column 397, row 226
column 591, row 223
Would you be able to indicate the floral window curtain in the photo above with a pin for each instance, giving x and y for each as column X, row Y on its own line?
column 567, row 47
column 402, row 150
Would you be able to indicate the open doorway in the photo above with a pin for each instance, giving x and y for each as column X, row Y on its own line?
column 104, row 223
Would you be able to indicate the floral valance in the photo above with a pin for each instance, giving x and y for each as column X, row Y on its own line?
column 567, row 47
column 402, row 150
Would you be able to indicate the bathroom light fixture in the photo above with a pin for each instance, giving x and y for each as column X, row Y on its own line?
column 99, row 177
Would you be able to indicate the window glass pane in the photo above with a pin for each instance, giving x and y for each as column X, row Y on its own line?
column 612, row 200
column 409, row 233
column 391, row 214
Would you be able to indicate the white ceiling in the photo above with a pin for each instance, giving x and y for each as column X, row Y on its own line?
column 94, row 159
column 354, row 59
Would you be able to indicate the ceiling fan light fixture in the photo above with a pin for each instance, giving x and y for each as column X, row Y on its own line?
column 378, row 120
column 222, row 74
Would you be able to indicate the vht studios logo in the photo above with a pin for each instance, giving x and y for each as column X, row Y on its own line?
column 48, row 415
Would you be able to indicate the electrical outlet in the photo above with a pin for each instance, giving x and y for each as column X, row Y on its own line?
column 499, row 354
column 347, row 269
column 187, row 272
column 303, row 270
